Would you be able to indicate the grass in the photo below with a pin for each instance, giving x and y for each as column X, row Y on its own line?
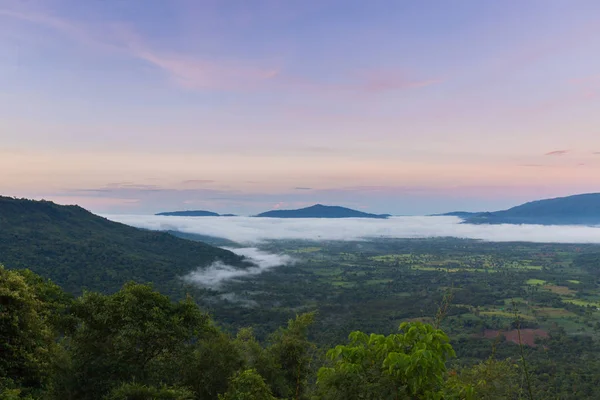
column 328, row 271
column 535, row 282
column 573, row 281
column 580, row 302
column 378, row 281
column 343, row 284
column 505, row 314
column 551, row 312
column 390, row 257
column 532, row 267
column 562, row 290
column 306, row 250
column 440, row 269
column 452, row 270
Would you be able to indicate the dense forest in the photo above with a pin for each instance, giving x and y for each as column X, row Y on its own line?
column 139, row 344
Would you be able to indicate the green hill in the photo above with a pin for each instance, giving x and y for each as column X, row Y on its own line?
column 321, row 211
column 80, row 250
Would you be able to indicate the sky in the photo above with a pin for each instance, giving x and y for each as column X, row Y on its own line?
column 403, row 107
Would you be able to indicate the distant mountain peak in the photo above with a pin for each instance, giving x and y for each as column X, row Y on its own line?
column 192, row 213
column 320, row 211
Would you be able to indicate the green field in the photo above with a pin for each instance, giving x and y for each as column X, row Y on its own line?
column 373, row 286
column 535, row 282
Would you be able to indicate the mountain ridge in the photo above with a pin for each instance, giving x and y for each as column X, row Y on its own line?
column 320, row 211
column 193, row 213
column 579, row 209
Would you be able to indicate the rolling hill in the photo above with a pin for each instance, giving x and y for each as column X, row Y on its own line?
column 582, row 209
column 320, row 211
column 80, row 250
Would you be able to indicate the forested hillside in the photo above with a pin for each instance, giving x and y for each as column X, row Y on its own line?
column 80, row 250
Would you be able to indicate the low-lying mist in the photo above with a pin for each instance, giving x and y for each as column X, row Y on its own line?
column 252, row 230
column 218, row 272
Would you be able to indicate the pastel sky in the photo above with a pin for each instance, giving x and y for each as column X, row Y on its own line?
column 398, row 106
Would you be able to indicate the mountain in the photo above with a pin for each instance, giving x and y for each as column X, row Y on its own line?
column 80, row 250
column 460, row 214
column 582, row 209
column 320, row 211
column 195, row 213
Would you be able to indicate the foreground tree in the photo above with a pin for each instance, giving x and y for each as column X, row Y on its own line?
column 248, row 385
column 208, row 365
column 135, row 391
column 27, row 336
column 292, row 352
column 490, row 380
column 136, row 334
column 409, row 364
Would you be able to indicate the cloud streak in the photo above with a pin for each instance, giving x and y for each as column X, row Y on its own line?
column 200, row 73
column 218, row 272
column 557, row 153
column 192, row 73
column 198, row 181
column 250, row 230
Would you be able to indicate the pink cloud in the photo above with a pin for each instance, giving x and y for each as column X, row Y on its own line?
column 198, row 73
column 588, row 86
column 193, row 73
column 46, row 20
column 186, row 71
column 557, row 153
column 594, row 79
column 385, row 81
column 370, row 82
column 69, row 29
column 198, row 181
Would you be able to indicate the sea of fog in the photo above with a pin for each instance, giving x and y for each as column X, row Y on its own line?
column 250, row 231
column 253, row 230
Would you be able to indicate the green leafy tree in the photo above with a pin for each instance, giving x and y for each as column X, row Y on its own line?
column 135, row 391
column 132, row 335
column 27, row 337
column 260, row 359
column 293, row 352
column 248, row 385
column 208, row 365
column 409, row 364
column 489, row 380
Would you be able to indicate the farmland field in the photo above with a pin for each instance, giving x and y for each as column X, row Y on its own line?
column 374, row 285
column 549, row 291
